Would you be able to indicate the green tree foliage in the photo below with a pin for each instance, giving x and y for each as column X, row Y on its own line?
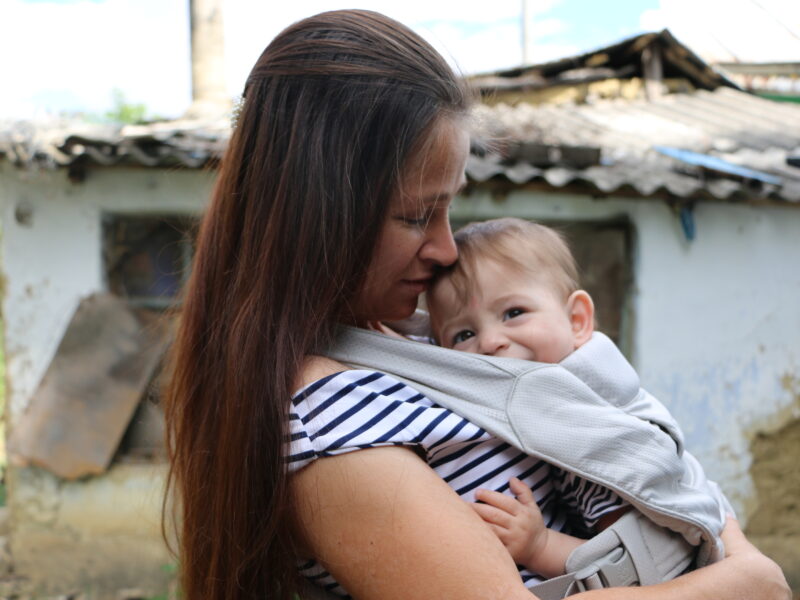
column 124, row 111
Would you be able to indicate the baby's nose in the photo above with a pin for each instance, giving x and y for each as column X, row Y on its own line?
column 491, row 343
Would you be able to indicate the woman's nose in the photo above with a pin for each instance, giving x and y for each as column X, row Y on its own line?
column 440, row 247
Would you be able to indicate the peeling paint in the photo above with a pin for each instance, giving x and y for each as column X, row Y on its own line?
column 774, row 512
column 789, row 383
column 34, row 496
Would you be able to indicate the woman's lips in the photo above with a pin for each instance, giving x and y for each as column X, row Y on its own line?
column 417, row 285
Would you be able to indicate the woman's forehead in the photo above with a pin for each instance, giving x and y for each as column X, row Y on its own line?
column 436, row 169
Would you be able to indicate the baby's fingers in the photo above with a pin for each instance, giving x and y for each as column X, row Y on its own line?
column 522, row 492
column 492, row 515
column 498, row 500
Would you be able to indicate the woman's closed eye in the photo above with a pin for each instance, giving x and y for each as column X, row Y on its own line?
column 463, row 336
column 416, row 220
column 513, row 312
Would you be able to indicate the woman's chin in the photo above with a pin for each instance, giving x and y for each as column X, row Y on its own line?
column 399, row 313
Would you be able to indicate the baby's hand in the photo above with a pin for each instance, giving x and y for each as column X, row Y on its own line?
column 516, row 521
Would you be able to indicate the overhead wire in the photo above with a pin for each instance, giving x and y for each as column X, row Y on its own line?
column 777, row 19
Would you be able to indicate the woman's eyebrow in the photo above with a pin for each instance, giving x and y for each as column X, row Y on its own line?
column 440, row 196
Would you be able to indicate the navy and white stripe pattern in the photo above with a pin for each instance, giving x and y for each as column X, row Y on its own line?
column 358, row 409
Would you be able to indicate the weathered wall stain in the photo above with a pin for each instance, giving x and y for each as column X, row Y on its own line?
column 92, row 536
column 774, row 520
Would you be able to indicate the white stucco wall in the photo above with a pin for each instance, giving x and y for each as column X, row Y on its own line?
column 716, row 321
column 99, row 534
column 56, row 260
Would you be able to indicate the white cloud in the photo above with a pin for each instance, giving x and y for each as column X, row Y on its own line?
column 723, row 30
column 543, row 28
column 74, row 54
column 476, row 37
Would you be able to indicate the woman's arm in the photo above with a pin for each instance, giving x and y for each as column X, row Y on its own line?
column 387, row 527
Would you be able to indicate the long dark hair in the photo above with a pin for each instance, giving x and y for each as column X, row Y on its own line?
column 332, row 110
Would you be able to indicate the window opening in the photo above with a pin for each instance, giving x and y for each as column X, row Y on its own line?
column 147, row 258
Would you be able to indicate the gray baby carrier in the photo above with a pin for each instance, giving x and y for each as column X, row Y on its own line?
column 587, row 415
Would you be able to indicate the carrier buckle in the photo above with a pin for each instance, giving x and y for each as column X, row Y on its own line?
column 615, row 569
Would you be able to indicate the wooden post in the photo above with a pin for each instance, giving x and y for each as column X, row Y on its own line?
column 209, row 94
column 653, row 71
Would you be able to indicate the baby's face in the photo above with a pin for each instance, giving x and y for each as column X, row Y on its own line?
column 506, row 314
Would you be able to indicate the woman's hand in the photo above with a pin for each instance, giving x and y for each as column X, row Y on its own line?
column 771, row 582
column 744, row 574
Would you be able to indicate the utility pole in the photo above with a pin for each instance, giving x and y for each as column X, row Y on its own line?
column 210, row 98
column 526, row 33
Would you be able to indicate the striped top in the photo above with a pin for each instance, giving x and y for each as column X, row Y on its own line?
column 358, row 409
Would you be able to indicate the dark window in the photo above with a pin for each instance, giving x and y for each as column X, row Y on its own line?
column 147, row 258
column 603, row 252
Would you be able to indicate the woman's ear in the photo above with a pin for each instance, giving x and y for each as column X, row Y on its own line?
column 580, row 309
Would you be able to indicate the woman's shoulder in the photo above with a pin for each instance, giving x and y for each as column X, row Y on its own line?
column 346, row 384
column 354, row 409
column 316, row 368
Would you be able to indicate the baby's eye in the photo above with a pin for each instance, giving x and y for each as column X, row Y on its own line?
column 462, row 336
column 512, row 312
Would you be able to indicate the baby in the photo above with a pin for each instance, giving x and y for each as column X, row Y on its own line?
column 514, row 293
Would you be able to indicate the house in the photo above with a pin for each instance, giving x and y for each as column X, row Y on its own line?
column 776, row 81
column 681, row 195
column 81, row 216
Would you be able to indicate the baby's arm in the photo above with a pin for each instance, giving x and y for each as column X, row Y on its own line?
column 519, row 525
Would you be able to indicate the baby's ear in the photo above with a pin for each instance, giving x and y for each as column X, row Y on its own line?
column 580, row 309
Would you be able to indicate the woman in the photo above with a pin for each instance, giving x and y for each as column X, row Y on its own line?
column 331, row 207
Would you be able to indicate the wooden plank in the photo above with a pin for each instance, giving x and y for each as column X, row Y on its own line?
column 79, row 412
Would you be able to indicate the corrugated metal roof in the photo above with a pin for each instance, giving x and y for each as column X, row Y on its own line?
column 734, row 126
column 187, row 143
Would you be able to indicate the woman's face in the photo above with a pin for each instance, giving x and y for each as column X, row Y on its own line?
column 416, row 235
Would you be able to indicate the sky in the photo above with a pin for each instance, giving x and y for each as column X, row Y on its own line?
column 70, row 55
